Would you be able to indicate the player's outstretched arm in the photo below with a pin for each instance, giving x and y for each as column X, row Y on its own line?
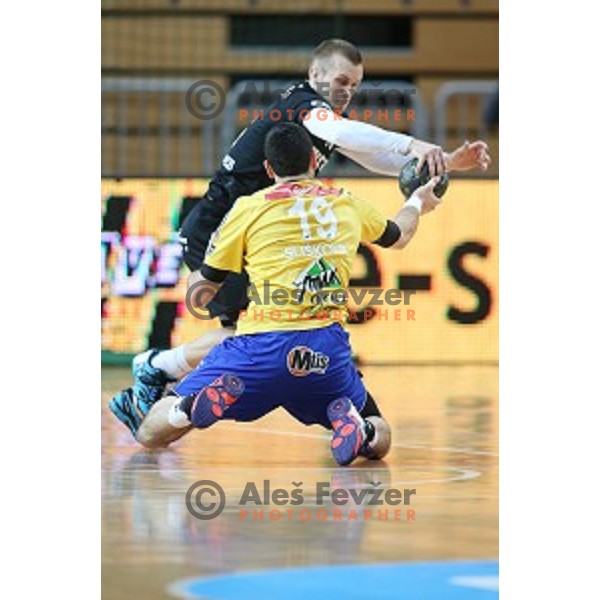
column 366, row 138
column 382, row 163
column 385, row 152
column 422, row 201
column 471, row 155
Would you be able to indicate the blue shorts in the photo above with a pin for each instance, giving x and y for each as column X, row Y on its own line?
column 301, row 371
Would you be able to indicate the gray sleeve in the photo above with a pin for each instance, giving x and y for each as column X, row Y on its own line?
column 354, row 135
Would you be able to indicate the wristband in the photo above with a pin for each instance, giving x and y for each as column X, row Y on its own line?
column 415, row 202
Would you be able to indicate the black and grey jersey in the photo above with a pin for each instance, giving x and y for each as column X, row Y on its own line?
column 242, row 171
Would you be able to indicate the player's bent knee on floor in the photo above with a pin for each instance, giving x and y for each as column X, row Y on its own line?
column 354, row 435
column 379, row 438
column 156, row 430
column 147, row 438
column 173, row 416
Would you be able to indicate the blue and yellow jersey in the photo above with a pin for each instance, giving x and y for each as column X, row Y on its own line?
column 297, row 241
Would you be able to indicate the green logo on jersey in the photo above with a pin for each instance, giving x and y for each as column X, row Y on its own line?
column 317, row 277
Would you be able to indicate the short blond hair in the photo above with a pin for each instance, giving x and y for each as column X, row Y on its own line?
column 328, row 48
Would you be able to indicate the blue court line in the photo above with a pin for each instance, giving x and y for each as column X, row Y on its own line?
column 460, row 580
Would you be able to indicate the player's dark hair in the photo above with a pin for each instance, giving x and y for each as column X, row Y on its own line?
column 288, row 149
column 336, row 46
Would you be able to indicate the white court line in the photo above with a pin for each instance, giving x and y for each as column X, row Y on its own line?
column 463, row 475
column 394, row 445
column 448, row 449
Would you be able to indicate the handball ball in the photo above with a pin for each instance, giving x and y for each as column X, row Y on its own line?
column 409, row 180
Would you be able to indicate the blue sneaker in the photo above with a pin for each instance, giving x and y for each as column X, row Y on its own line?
column 123, row 406
column 149, row 383
column 348, row 430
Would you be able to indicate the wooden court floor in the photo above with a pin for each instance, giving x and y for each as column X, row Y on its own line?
column 445, row 446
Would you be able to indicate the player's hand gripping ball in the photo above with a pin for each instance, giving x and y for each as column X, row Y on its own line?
column 409, row 180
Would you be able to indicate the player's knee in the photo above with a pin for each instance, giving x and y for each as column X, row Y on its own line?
column 148, row 438
column 381, row 441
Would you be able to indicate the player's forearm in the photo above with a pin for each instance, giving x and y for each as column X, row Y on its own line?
column 383, row 163
column 407, row 220
column 354, row 135
column 201, row 291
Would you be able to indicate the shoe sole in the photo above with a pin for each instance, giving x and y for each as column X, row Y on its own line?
column 348, row 436
column 214, row 400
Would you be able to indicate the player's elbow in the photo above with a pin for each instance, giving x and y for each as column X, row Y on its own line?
column 195, row 279
column 200, row 298
column 200, row 291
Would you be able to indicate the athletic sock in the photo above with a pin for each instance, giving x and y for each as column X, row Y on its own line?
column 371, row 438
column 172, row 362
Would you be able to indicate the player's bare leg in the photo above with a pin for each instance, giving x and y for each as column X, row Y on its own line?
column 173, row 416
column 153, row 370
column 195, row 352
column 156, row 430
column 180, row 361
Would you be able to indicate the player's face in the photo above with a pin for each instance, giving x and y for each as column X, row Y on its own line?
column 340, row 79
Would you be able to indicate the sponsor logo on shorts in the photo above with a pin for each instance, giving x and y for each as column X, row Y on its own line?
column 302, row 360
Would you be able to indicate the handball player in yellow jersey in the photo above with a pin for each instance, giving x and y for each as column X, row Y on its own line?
column 297, row 240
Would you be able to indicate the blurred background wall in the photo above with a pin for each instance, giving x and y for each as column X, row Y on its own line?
column 153, row 51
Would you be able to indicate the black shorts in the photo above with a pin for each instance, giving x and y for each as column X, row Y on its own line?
column 195, row 232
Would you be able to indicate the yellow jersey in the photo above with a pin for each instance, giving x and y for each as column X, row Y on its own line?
column 297, row 241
